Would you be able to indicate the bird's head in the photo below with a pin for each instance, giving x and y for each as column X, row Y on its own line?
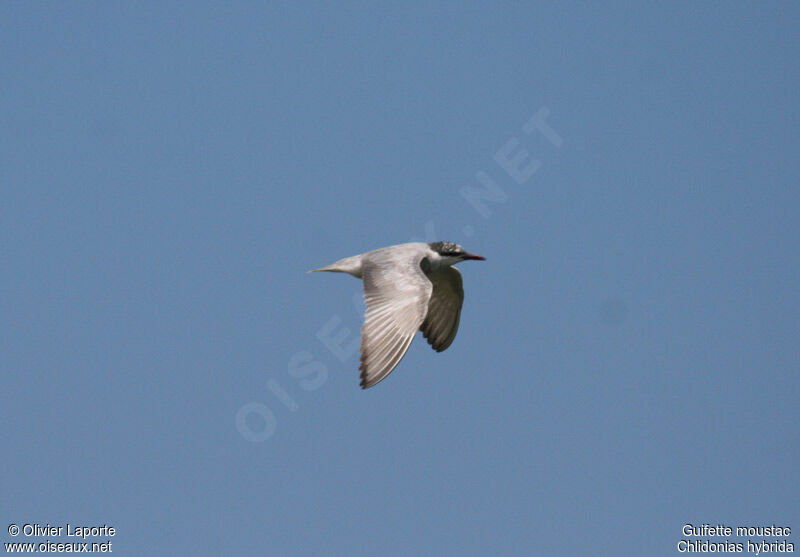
column 451, row 253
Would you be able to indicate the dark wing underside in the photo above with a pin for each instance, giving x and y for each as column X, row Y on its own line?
column 444, row 308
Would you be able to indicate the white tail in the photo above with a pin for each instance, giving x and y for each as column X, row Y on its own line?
column 349, row 265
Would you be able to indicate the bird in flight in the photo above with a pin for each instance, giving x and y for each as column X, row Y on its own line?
column 406, row 287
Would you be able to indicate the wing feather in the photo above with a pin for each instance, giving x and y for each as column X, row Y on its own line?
column 444, row 308
column 397, row 294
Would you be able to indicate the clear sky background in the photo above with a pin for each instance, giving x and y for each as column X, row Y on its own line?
column 628, row 356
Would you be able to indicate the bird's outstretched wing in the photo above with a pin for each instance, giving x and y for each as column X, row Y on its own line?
column 397, row 294
column 444, row 308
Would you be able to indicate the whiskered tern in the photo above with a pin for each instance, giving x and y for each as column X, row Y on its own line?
column 406, row 287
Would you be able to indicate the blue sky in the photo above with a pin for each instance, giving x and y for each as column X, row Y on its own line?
column 627, row 360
